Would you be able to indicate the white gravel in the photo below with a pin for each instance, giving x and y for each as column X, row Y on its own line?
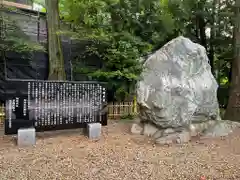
column 119, row 156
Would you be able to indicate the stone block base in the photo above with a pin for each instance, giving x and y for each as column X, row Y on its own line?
column 94, row 130
column 26, row 137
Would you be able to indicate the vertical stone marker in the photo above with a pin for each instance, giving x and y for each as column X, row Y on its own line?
column 26, row 137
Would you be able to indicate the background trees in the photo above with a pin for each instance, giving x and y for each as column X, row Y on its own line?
column 144, row 26
column 233, row 111
column 121, row 33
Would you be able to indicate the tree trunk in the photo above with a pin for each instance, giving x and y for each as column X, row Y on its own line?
column 56, row 61
column 233, row 108
column 212, row 37
column 201, row 24
column 202, row 29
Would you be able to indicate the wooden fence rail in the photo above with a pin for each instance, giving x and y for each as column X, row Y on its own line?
column 118, row 110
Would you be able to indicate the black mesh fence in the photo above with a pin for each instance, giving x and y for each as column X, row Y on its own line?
column 30, row 99
column 24, row 52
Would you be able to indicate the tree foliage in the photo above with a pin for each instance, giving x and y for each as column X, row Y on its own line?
column 121, row 32
column 144, row 26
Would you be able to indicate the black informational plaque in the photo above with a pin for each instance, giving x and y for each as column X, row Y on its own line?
column 49, row 105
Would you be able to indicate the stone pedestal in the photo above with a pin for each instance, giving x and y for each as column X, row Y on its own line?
column 94, row 130
column 26, row 137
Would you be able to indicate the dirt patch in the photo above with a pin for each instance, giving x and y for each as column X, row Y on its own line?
column 119, row 155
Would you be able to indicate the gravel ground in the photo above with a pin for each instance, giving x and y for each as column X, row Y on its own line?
column 119, row 156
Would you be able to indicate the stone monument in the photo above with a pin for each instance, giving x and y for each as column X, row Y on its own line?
column 177, row 93
column 54, row 105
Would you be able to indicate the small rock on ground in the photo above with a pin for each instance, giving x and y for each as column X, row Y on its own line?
column 136, row 129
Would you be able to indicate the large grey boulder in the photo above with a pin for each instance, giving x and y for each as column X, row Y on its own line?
column 177, row 88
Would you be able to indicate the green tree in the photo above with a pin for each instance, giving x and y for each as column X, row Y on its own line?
column 120, row 32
